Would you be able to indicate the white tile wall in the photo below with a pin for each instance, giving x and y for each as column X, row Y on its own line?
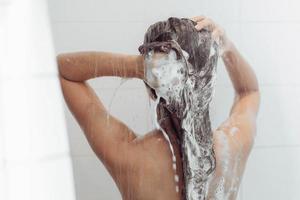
column 240, row 193
column 135, row 10
column 221, row 104
column 92, row 180
column 278, row 123
column 272, row 49
column 272, row 173
column 128, row 105
column 125, row 37
column 270, row 10
column 110, row 82
column 266, row 32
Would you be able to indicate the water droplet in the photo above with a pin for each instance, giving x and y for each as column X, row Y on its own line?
column 176, row 178
column 174, row 166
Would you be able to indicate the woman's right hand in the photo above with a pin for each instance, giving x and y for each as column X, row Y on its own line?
column 218, row 33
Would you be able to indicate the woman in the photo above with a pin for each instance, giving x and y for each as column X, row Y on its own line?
column 142, row 167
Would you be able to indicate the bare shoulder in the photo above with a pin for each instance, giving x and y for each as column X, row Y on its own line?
column 154, row 140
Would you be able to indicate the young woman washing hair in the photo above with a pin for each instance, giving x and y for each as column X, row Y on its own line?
column 148, row 167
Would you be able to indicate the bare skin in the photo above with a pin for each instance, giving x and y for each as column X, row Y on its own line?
column 142, row 166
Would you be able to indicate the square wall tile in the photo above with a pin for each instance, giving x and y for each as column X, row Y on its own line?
column 221, row 105
column 73, row 128
column 240, row 194
column 57, row 9
column 130, row 106
column 220, row 11
column 233, row 32
column 92, row 180
column 111, row 82
column 113, row 10
column 80, row 147
column 278, row 118
column 270, row 10
column 272, row 173
column 119, row 37
column 272, row 50
column 96, row 10
column 78, row 143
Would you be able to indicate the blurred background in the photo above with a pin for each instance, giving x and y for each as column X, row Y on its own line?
column 265, row 31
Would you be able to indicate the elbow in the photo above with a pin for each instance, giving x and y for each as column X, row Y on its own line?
column 246, row 92
column 250, row 92
column 252, row 87
column 61, row 64
column 66, row 67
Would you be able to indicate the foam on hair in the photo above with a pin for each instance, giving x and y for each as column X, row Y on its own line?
column 187, row 105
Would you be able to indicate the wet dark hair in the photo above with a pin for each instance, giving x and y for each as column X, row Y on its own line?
column 179, row 34
column 193, row 104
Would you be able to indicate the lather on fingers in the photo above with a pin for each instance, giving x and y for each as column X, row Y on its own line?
column 198, row 18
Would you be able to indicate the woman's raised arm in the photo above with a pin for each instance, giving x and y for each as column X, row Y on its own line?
column 81, row 66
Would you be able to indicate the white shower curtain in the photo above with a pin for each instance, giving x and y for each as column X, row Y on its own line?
column 34, row 151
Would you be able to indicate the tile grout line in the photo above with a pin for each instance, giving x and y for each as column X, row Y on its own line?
column 276, row 146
